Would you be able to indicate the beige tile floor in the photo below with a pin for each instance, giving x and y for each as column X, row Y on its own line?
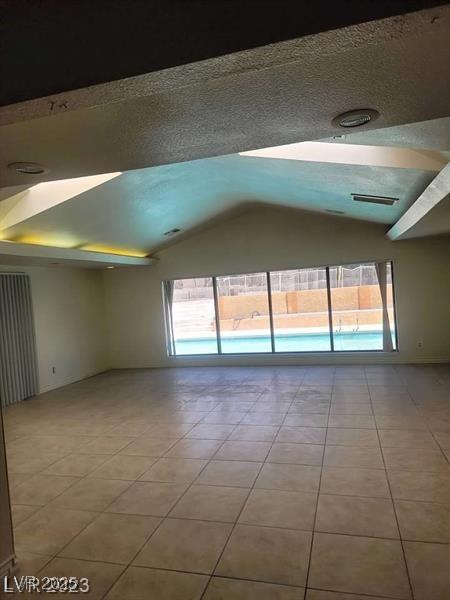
column 269, row 483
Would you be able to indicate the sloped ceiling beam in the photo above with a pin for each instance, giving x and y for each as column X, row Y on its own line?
column 437, row 192
column 288, row 92
column 435, row 18
column 355, row 154
column 46, row 195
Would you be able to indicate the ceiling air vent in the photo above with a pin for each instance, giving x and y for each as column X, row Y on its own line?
column 385, row 200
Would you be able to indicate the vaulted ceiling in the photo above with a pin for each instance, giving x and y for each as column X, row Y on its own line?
column 130, row 212
column 174, row 148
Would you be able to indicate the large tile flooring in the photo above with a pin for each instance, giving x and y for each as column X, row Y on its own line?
column 269, row 483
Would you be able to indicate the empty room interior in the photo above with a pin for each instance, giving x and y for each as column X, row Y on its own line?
column 225, row 300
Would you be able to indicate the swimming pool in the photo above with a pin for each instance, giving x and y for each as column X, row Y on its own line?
column 298, row 342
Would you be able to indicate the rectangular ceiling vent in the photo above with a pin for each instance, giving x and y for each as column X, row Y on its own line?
column 385, row 200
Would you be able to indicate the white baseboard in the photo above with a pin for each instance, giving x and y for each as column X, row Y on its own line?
column 255, row 360
column 68, row 380
column 344, row 358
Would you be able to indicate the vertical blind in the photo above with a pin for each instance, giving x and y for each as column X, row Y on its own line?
column 168, row 294
column 18, row 364
column 381, row 270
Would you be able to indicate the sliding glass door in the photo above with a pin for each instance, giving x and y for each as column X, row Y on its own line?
column 244, row 317
column 322, row 309
column 300, row 310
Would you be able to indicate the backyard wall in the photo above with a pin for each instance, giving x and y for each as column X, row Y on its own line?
column 271, row 239
column 352, row 305
column 68, row 307
column 305, row 301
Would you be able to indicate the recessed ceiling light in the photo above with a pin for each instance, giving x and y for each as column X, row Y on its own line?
column 28, row 168
column 110, row 267
column 385, row 200
column 172, row 231
column 334, row 212
column 356, row 118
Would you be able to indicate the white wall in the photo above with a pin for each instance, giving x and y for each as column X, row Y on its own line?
column 266, row 239
column 70, row 323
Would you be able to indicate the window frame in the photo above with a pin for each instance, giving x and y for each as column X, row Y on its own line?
column 170, row 343
column 267, row 292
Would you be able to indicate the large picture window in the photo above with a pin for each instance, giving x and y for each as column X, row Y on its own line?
column 323, row 309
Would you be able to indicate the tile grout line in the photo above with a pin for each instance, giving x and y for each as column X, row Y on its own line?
column 318, row 492
column 428, row 428
column 161, row 521
column 180, row 498
column 395, row 509
column 424, row 416
column 239, row 515
column 234, row 525
column 98, row 514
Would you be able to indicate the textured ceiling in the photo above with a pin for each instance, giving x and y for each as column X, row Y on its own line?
column 133, row 211
column 168, row 133
column 427, row 135
column 186, row 31
column 278, row 94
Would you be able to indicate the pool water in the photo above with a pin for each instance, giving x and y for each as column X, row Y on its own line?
column 300, row 342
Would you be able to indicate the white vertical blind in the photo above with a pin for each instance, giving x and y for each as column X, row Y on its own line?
column 381, row 270
column 168, row 303
column 18, row 365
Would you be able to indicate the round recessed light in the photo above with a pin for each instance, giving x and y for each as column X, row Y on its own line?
column 356, row 118
column 28, row 168
column 110, row 267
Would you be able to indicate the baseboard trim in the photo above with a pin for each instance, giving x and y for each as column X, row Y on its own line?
column 69, row 380
column 8, row 566
column 366, row 358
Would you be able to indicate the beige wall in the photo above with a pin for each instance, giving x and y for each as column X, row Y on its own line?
column 74, row 308
column 269, row 239
column 70, row 323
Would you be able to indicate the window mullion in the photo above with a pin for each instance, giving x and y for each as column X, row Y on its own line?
column 330, row 313
column 269, row 295
column 216, row 312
